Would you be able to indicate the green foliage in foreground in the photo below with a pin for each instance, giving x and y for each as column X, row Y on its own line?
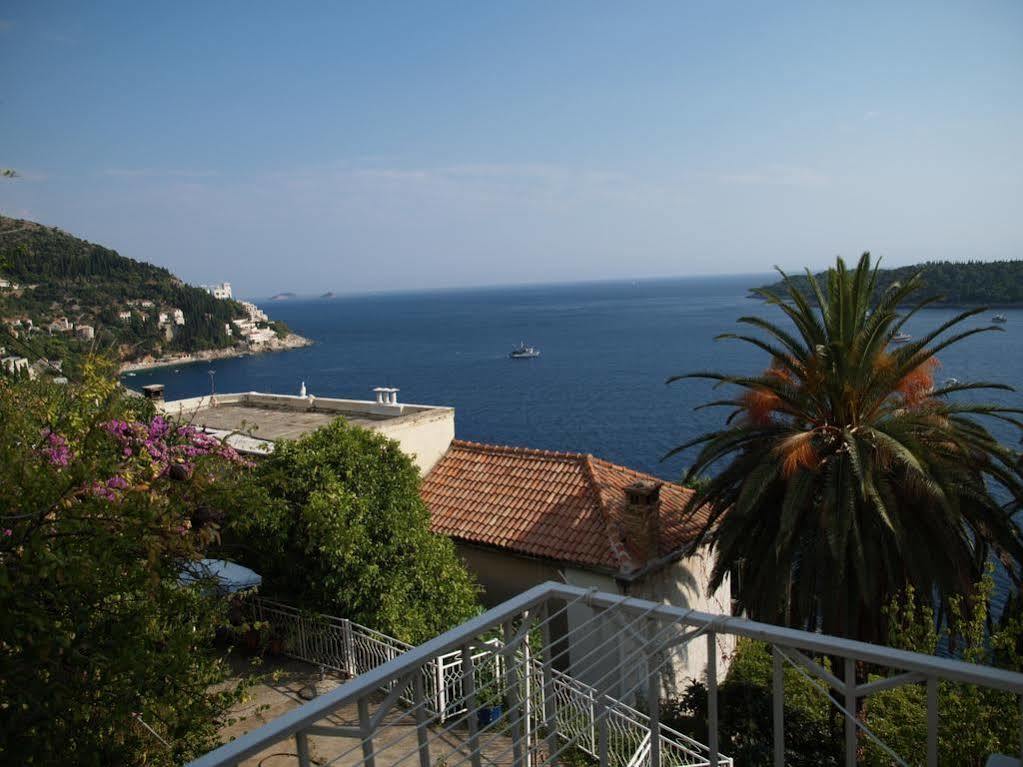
column 969, row 283
column 973, row 722
column 334, row 522
column 99, row 642
column 745, row 713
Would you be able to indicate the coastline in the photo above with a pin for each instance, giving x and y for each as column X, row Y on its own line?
column 291, row 341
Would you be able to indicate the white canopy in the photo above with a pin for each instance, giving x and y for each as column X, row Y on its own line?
column 230, row 576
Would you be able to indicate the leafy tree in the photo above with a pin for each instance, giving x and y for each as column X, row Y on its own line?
column 845, row 475
column 334, row 522
column 973, row 721
column 104, row 655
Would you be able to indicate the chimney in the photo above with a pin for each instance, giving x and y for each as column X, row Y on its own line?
column 386, row 395
column 153, row 392
column 641, row 519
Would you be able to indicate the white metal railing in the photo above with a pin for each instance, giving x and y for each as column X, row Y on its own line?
column 546, row 713
column 628, row 731
column 348, row 647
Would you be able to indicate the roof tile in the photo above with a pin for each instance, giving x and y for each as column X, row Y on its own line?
column 563, row 506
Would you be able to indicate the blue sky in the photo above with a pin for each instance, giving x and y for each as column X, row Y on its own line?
column 376, row 146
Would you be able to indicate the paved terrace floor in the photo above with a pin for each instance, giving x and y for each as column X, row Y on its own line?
column 277, row 696
column 266, row 423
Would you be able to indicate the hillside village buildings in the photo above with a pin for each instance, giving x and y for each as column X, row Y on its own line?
column 518, row 516
column 221, row 290
column 14, row 365
column 253, row 331
column 61, row 325
column 249, row 328
column 7, row 285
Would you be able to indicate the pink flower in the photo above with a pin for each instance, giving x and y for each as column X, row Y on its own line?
column 56, row 451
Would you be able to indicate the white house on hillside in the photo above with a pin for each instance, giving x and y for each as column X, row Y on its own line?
column 222, row 290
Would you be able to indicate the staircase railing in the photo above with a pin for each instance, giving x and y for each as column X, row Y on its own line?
column 667, row 632
column 350, row 648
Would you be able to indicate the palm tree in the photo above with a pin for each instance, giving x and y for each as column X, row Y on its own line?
column 843, row 474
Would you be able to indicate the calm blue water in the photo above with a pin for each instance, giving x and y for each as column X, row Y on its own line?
column 599, row 386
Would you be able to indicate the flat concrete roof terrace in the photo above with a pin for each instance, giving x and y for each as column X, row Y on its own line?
column 269, row 423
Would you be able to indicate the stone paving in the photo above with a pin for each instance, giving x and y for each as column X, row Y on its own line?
column 274, row 697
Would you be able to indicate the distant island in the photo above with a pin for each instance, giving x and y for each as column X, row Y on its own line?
column 62, row 297
column 967, row 283
column 329, row 294
column 282, row 296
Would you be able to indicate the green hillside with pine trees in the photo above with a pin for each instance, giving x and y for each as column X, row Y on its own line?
column 965, row 283
column 48, row 276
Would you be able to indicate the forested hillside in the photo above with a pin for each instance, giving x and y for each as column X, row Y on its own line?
column 47, row 275
column 967, row 283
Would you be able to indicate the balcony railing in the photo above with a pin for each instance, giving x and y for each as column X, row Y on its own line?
column 521, row 655
column 350, row 648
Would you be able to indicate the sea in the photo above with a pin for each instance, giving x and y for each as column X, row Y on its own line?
column 599, row 384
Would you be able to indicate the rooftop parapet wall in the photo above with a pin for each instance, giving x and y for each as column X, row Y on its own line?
column 423, row 431
column 360, row 408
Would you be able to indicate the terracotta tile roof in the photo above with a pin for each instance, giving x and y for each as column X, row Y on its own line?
column 561, row 506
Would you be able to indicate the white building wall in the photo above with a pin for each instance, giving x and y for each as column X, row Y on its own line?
column 686, row 584
column 423, row 432
column 594, row 650
column 425, row 437
column 605, row 653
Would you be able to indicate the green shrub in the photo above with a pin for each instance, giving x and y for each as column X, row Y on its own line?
column 745, row 713
column 105, row 657
column 335, row 523
column 973, row 722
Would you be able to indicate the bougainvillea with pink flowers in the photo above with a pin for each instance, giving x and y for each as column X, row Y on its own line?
column 159, row 444
column 102, row 501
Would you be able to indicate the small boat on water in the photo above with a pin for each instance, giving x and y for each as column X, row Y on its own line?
column 951, row 382
column 901, row 338
column 999, row 318
column 523, row 352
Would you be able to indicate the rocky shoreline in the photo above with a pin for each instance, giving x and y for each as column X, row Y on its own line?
column 291, row 341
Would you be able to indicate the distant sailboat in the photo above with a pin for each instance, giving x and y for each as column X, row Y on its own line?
column 999, row 318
